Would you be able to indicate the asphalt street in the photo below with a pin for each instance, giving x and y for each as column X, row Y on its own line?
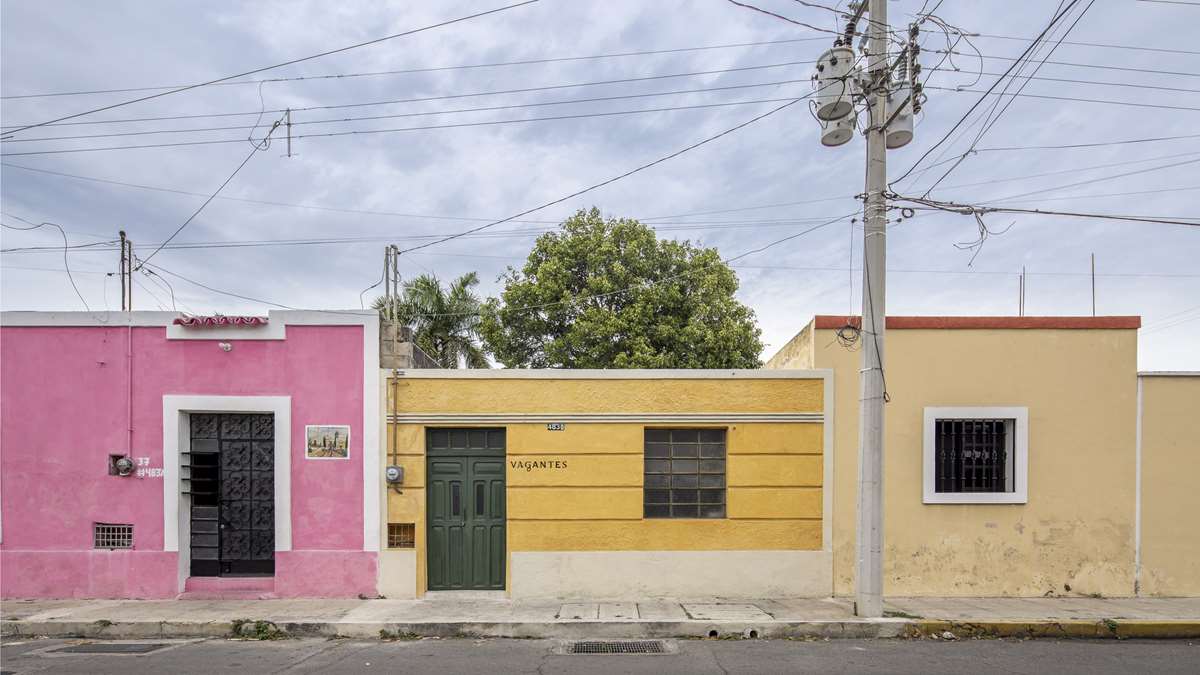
column 447, row 657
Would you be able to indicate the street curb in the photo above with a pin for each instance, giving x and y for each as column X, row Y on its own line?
column 1117, row 629
column 868, row 628
column 140, row 630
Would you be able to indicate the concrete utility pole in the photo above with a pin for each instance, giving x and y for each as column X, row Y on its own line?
column 869, row 571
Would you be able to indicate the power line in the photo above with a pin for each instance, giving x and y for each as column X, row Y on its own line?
column 1053, row 21
column 1072, row 64
column 433, row 69
column 429, row 113
column 562, row 102
column 66, row 263
column 1070, row 98
column 429, row 216
column 976, row 210
column 258, row 146
column 1089, row 145
column 495, row 234
column 973, row 272
column 365, row 132
column 278, row 65
column 544, row 119
column 1093, row 44
column 1129, row 85
column 784, row 18
column 520, row 308
column 648, row 220
column 444, row 97
column 1109, row 194
column 614, row 179
column 1095, row 180
column 991, row 121
column 563, row 86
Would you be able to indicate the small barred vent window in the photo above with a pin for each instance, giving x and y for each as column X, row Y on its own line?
column 401, row 535
column 684, row 473
column 108, row 535
column 974, row 455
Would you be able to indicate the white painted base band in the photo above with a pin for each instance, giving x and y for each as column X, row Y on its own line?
column 632, row 575
column 398, row 574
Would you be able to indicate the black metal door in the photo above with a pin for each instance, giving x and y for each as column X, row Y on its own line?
column 231, row 479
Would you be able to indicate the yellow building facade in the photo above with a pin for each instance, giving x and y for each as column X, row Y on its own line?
column 1168, row 537
column 1098, row 483
column 608, row 484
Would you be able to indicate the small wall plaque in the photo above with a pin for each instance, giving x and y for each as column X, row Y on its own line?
column 556, row 426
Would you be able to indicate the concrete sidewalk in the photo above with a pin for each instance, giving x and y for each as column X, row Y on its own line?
column 465, row 615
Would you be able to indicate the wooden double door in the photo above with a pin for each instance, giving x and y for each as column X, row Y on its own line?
column 465, row 509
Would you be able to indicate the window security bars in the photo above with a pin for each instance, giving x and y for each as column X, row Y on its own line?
column 684, row 473
column 973, row 455
column 401, row 535
column 106, row 535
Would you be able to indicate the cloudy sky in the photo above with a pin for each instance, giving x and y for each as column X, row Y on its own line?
column 755, row 186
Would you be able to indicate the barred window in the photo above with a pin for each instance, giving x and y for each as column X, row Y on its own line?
column 976, row 455
column 684, row 473
column 401, row 535
column 109, row 535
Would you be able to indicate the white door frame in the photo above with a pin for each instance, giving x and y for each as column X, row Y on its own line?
column 177, row 437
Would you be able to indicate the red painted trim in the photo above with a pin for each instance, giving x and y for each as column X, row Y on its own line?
column 220, row 320
column 827, row 322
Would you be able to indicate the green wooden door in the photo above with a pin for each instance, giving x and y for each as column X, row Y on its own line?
column 465, row 509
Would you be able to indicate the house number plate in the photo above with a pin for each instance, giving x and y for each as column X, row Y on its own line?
column 556, row 426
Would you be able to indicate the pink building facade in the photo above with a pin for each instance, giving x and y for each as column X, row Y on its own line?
column 283, row 415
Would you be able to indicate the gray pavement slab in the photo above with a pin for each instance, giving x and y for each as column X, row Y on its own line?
column 619, row 611
column 725, row 611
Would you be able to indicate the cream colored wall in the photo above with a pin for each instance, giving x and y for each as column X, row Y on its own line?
column 1170, row 451
column 1077, row 529
column 797, row 353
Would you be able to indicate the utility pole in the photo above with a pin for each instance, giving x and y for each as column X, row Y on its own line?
column 1093, row 284
column 891, row 105
column 126, row 273
column 868, row 600
column 122, row 270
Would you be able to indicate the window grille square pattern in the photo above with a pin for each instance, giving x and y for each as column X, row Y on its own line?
column 684, row 473
column 402, row 535
column 973, row 455
column 107, row 535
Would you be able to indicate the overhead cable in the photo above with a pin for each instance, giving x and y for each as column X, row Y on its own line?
column 428, row 113
column 431, row 69
column 65, row 246
column 272, row 67
column 364, row 132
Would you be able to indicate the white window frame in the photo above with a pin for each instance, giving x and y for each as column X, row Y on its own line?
column 1020, row 454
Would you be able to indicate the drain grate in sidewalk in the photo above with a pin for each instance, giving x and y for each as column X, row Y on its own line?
column 616, row 647
column 112, row 648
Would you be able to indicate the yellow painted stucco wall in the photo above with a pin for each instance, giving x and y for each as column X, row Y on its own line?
column 580, row 489
column 1077, row 530
column 1170, row 449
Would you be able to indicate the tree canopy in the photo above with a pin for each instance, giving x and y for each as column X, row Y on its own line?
column 445, row 320
column 609, row 294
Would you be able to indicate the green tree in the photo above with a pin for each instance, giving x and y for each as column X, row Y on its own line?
column 610, row 294
column 445, row 320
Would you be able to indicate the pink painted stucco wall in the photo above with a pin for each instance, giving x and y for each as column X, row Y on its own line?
column 64, row 410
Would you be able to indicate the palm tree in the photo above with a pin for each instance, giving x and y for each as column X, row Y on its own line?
column 445, row 321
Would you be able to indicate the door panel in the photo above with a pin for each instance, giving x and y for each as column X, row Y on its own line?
column 465, row 509
column 231, row 480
